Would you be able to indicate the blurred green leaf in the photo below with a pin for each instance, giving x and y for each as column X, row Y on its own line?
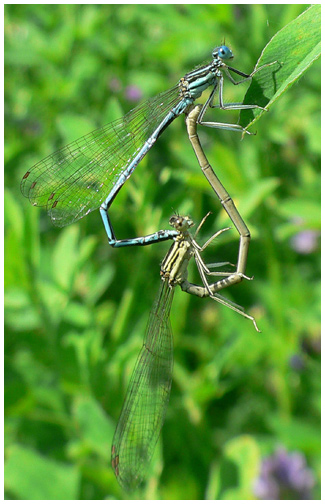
column 245, row 454
column 78, row 315
column 33, row 477
column 65, row 257
column 302, row 211
column 259, row 192
column 296, row 434
column 94, row 427
column 73, row 126
column 242, row 458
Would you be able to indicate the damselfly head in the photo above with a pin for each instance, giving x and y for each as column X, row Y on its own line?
column 180, row 222
column 222, row 52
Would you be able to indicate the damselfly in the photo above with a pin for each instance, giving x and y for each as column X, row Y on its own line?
column 147, row 397
column 89, row 172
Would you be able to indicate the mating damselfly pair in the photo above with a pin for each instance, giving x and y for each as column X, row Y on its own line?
column 147, row 397
column 88, row 174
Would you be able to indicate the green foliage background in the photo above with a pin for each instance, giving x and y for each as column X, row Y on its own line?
column 76, row 310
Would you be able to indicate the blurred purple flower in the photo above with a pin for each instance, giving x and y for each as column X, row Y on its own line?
column 284, row 476
column 115, row 84
column 305, row 242
column 297, row 362
column 133, row 93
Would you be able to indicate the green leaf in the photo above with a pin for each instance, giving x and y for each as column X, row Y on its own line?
column 260, row 191
column 65, row 256
column 302, row 211
column 30, row 476
column 73, row 126
column 95, row 428
column 13, row 215
column 239, row 464
column 78, row 314
column 295, row 48
column 295, row 433
column 113, row 110
column 244, row 452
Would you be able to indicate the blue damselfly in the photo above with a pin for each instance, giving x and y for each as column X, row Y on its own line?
column 89, row 172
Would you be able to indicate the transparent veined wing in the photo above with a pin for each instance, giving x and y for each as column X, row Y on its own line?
column 147, row 397
column 77, row 178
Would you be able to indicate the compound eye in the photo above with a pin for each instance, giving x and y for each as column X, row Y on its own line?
column 222, row 52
